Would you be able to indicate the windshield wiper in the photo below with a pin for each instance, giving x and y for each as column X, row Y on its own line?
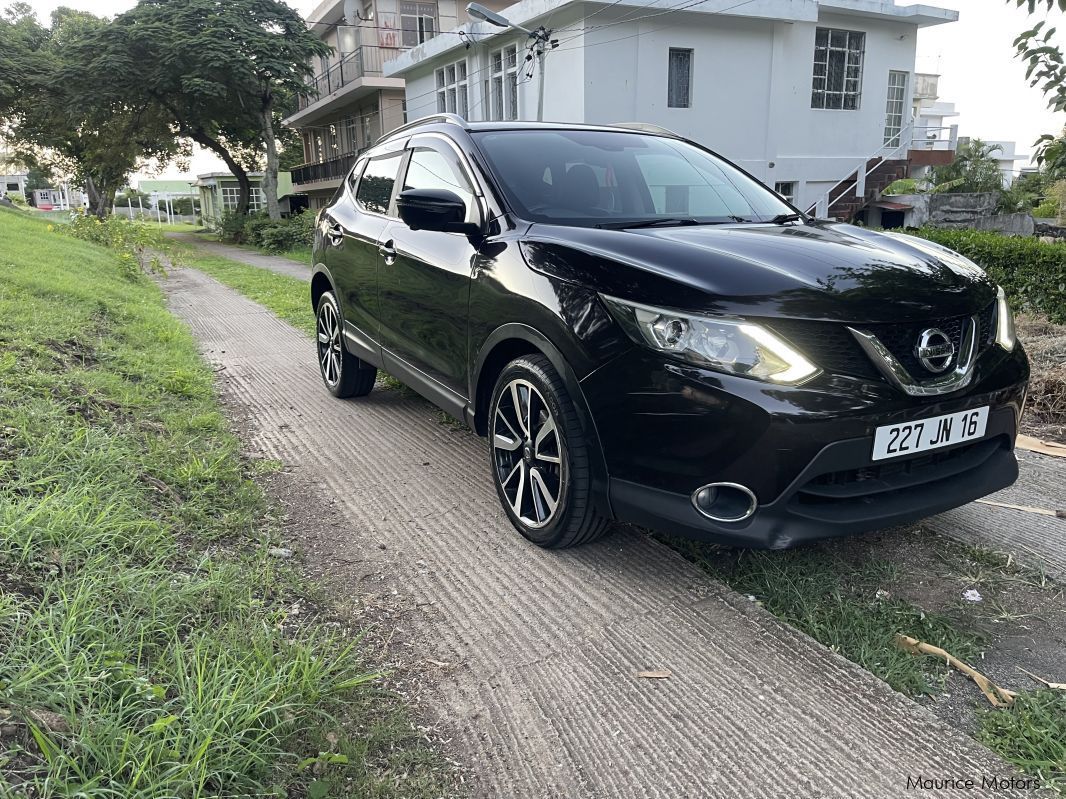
column 783, row 219
column 665, row 222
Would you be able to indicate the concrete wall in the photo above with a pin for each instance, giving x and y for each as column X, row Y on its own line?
column 977, row 211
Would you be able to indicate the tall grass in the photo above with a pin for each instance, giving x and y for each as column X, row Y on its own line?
column 146, row 649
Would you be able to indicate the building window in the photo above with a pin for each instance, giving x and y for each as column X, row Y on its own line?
column 837, row 69
column 231, row 194
column 787, row 190
column 897, row 103
column 679, row 79
column 418, row 23
column 452, row 92
column 503, row 83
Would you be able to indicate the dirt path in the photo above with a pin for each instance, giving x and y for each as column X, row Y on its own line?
column 273, row 263
column 530, row 656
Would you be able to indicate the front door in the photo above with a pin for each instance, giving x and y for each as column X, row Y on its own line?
column 425, row 279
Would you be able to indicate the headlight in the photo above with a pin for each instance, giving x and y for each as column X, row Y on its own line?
column 1005, row 335
column 725, row 345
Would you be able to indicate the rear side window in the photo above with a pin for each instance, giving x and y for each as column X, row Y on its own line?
column 375, row 187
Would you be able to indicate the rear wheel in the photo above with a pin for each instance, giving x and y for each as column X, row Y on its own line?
column 540, row 459
column 343, row 374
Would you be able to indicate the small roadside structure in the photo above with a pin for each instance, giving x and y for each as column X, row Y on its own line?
column 219, row 192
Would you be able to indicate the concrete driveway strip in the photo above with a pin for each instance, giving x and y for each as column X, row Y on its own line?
column 1036, row 540
column 541, row 697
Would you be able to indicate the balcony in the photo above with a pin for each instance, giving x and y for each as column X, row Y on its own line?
column 364, row 62
column 334, row 169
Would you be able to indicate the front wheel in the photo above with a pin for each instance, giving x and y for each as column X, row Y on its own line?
column 343, row 374
column 540, row 459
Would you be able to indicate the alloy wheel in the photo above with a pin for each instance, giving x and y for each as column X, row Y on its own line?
column 329, row 344
column 528, row 453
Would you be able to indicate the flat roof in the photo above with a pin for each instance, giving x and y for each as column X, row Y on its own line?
column 528, row 12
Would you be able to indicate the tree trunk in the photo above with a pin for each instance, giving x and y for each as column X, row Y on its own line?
column 244, row 198
column 98, row 204
column 269, row 184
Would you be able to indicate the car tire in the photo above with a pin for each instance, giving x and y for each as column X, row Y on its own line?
column 343, row 374
column 538, row 454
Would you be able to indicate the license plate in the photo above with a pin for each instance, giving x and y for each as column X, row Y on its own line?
column 894, row 440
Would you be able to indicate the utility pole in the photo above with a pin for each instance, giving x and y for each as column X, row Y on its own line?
column 542, row 43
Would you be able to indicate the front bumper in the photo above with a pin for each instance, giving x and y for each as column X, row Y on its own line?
column 804, row 451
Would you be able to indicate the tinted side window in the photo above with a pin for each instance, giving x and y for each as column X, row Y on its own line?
column 375, row 187
column 430, row 169
column 353, row 178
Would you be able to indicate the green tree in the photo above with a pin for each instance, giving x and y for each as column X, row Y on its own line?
column 219, row 68
column 62, row 117
column 973, row 170
column 1046, row 69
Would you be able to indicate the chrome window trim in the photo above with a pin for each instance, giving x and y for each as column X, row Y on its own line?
column 473, row 176
column 886, row 363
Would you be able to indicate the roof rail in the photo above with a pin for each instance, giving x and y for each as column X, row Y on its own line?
column 645, row 127
column 453, row 119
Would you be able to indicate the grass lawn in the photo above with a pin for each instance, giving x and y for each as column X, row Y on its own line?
column 145, row 645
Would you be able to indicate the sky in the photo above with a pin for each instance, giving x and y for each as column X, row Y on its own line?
column 974, row 56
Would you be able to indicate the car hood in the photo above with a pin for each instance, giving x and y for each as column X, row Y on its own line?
column 816, row 271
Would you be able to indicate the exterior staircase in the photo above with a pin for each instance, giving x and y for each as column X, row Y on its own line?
column 844, row 203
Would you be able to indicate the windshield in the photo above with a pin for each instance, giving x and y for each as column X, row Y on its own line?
column 588, row 177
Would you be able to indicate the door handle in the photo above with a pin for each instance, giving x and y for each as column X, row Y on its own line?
column 387, row 252
column 335, row 235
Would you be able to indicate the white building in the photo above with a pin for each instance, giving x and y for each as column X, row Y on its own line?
column 350, row 102
column 798, row 92
column 1010, row 161
column 14, row 183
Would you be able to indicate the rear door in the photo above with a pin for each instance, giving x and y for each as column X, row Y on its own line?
column 356, row 219
column 425, row 277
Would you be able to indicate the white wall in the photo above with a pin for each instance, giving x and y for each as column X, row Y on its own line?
column 751, row 91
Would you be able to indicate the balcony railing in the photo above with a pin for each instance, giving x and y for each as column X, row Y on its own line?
column 366, row 60
column 334, row 169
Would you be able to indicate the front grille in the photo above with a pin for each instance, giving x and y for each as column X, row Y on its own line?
column 987, row 320
column 833, row 348
column 829, row 345
column 901, row 339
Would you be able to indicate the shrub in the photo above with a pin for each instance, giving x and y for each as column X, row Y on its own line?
column 140, row 247
column 231, row 228
column 17, row 198
column 277, row 237
column 1032, row 272
column 1048, row 209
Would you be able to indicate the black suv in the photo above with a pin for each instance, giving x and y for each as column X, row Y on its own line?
column 646, row 333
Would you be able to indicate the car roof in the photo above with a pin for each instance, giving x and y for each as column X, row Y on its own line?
column 440, row 122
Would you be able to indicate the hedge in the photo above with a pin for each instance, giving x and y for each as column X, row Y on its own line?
column 259, row 230
column 1032, row 272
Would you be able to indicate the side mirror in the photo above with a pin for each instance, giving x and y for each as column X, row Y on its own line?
column 435, row 209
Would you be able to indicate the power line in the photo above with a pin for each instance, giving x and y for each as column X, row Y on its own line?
column 670, row 10
column 653, row 30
